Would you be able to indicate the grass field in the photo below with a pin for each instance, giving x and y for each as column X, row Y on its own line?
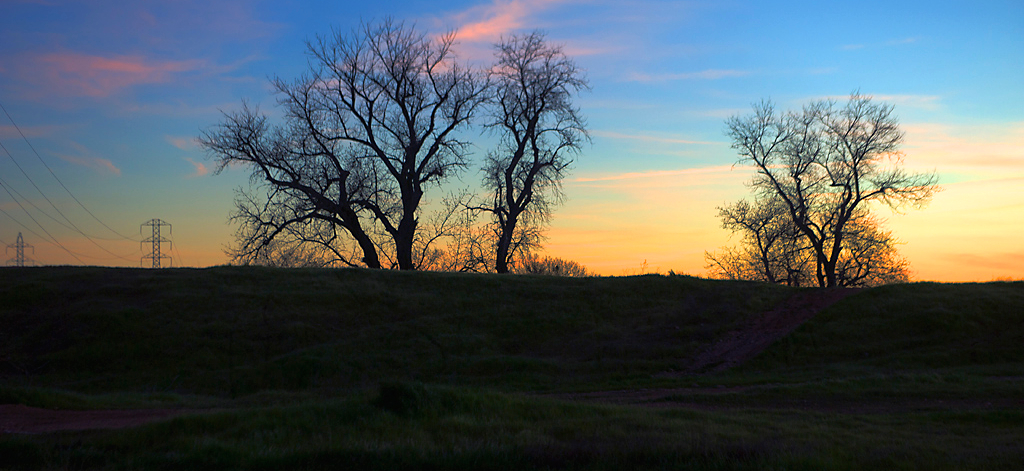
column 358, row 369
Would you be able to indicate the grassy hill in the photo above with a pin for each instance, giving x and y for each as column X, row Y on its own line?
column 310, row 369
column 235, row 331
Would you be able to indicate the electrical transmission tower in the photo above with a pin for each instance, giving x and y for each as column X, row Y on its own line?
column 155, row 254
column 19, row 252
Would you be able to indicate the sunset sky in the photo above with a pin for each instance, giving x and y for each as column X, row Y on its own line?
column 111, row 96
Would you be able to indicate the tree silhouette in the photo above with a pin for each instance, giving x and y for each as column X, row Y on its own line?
column 367, row 129
column 538, row 129
column 817, row 171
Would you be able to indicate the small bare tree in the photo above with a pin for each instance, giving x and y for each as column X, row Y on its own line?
column 531, row 264
column 367, row 130
column 773, row 250
column 826, row 164
column 539, row 130
column 770, row 250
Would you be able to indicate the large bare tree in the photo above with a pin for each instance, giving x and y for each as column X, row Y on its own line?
column 825, row 165
column 367, row 130
column 539, row 131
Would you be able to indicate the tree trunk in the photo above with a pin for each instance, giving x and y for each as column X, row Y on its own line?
column 370, row 257
column 403, row 244
column 504, row 244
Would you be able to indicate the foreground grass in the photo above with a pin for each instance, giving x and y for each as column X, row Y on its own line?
column 410, row 426
column 314, row 369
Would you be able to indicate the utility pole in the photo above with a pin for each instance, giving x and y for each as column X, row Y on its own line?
column 19, row 251
column 155, row 254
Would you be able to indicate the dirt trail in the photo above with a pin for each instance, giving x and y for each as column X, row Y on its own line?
column 16, row 418
column 741, row 345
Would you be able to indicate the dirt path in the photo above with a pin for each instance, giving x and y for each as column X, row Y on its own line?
column 704, row 398
column 741, row 345
column 15, row 418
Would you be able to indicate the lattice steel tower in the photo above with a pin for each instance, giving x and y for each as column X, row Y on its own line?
column 155, row 254
column 19, row 251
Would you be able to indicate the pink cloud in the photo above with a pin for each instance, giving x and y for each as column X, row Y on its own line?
column 488, row 23
column 183, row 143
column 96, row 76
column 200, row 168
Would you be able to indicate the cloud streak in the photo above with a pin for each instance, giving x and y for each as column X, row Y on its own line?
column 74, row 74
column 709, row 74
column 647, row 138
column 889, row 43
column 11, row 132
column 85, row 159
column 91, row 162
column 987, row 149
column 656, row 174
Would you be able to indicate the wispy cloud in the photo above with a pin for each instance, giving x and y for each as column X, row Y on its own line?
column 709, row 74
column 200, row 168
column 10, row 132
column 896, row 42
column 991, row 150
column 891, row 42
column 181, row 142
column 924, row 102
column 85, row 158
column 1008, row 262
column 648, row 138
column 655, row 174
column 74, row 74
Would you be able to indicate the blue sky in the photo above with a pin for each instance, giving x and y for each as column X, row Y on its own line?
column 112, row 94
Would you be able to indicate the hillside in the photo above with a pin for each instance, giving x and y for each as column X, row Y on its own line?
column 309, row 369
column 240, row 330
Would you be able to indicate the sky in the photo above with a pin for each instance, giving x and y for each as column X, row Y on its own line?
column 103, row 101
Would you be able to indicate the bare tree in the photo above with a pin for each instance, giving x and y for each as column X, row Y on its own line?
column 826, row 164
column 531, row 264
column 304, row 189
column 368, row 129
column 539, row 130
column 452, row 240
column 770, row 250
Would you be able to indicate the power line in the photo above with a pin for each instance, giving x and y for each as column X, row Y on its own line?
column 181, row 262
column 55, row 176
column 29, row 229
column 55, row 241
column 10, row 188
